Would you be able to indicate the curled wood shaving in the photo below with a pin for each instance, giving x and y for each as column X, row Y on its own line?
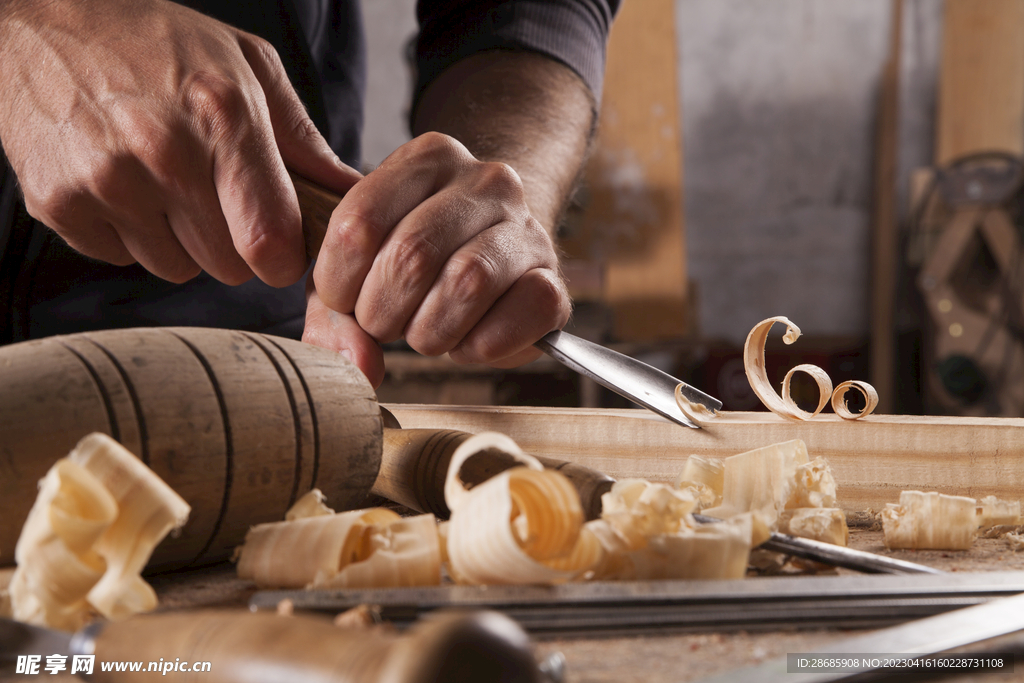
column 373, row 548
column 520, row 526
column 784, row 405
column 698, row 412
column 870, row 399
column 99, row 515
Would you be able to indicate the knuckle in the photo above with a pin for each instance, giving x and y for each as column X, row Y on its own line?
column 217, row 104
column 108, row 178
column 262, row 246
column 264, row 49
column 433, row 145
column 302, row 128
column 49, row 204
column 412, row 258
column 472, row 275
column 352, row 236
column 550, row 299
column 440, row 337
column 497, row 178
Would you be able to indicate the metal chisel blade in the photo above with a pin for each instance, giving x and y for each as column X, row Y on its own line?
column 637, row 381
column 624, row 607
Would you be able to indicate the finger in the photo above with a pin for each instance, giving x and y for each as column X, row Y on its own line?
column 340, row 332
column 536, row 304
column 127, row 194
column 302, row 147
column 471, row 282
column 103, row 244
column 255, row 193
column 374, row 206
column 82, row 223
column 413, row 255
column 199, row 225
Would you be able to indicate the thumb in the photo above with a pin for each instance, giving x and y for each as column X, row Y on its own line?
column 340, row 332
column 302, row 147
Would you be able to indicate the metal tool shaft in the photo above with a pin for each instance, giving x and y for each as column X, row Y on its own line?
column 637, row 381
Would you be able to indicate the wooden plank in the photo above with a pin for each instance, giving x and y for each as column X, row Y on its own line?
column 884, row 225
column 981, row 88
column 873, row 459
column 636, row 176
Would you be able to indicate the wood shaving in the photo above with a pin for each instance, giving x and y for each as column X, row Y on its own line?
column 520, row 526
column 784, row 405
column 932, row 521
column 698, row 412
column 99, row 515
column 827, row 525
column 866, row 390
column 310, row 505
column 994, row 512
column 372, row 548
column 359, row 617
column 705, row 477
column 646, row 531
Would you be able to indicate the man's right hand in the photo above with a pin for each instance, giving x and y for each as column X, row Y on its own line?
column 143, row 131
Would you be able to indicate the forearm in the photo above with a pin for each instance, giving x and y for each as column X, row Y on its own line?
column 520, row 108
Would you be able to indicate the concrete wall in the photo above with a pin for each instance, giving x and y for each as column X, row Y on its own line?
column 389, row 26
column 778, row 106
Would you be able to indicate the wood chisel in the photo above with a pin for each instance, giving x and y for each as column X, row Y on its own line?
column 637, row 381
column 630, row 608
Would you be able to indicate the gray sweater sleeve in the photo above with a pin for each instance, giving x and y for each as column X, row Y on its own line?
column 573, row 32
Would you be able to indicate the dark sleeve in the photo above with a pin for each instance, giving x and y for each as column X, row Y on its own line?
column 574, row 32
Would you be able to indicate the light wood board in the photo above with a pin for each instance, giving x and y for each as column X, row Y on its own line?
column 981, row 87
column 636, row 176
column 873, row 459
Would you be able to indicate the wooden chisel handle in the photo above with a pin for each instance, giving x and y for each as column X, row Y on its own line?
column 414, row 464
column 316, row 204
column 266, row 648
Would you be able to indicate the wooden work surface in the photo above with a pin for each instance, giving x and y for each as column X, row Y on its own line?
column 646, row 659
column 872, row 459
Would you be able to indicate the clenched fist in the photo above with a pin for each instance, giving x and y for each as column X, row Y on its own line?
column 441, row 249
column 143, row 131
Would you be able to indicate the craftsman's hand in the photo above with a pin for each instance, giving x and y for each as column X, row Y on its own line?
column 439, row 248
column 143, row 131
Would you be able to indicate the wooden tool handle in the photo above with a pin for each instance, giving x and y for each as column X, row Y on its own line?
column 239, row 424
column 415, row 463
column 316, row 204
column 266, row 648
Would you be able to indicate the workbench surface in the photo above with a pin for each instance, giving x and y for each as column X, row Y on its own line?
column 652, row 659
